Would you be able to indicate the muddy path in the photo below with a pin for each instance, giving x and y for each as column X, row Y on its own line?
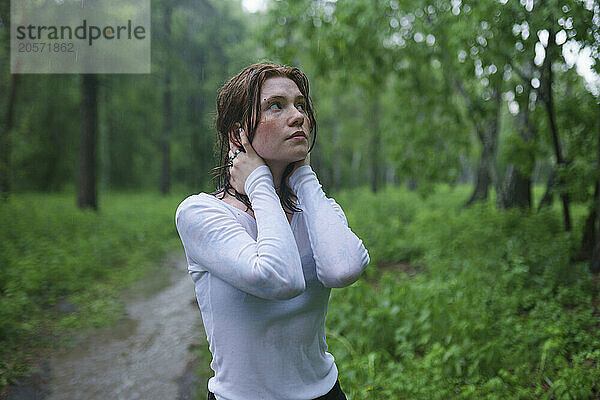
column 148, row 355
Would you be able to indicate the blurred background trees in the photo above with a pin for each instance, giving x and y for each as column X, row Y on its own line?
column 413, row 92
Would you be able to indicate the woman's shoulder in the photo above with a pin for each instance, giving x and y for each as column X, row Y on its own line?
column 200, row 203
column 206, row 205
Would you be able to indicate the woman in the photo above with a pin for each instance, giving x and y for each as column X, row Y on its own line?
column 263, row 280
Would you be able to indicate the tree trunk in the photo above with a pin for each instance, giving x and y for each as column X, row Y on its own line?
column 6, row 140
column 595, row 263
column 549, row 103
column 165, row 181
column 517, row 186
column 548, row 197
column 199, row 157
column 374, row 144
column 486, row 170
column 517, row 189
column 588, row 241
column 87, row 147
column 356, row 172
column 482, row 181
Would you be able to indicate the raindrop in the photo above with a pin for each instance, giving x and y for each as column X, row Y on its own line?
column 532, row 97
column 569, row 23
column 540, row 54
column 519, row 46
column 561, row 37
column 543, row 35
column 535, row 82
column 525, row 30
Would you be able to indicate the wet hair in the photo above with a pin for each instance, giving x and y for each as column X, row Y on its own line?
column 238, row 104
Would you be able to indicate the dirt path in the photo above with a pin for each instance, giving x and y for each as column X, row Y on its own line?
column 147, row 356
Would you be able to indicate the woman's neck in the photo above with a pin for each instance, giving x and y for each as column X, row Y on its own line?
column 277, row 172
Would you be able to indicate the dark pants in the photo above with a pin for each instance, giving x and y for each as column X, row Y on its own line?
column 334, row 394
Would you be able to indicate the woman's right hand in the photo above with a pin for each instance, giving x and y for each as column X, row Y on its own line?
column 243, row 163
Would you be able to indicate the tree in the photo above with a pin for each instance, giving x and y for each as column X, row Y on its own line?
column 6, row 140
column 86, row 194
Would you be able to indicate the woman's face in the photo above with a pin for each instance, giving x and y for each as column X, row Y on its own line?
column 282, row 134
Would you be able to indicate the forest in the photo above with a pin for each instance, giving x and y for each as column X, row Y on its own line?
column 461, row 138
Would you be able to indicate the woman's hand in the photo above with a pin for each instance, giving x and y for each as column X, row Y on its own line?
column 243, row 163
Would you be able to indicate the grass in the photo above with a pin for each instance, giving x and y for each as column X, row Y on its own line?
column 457, row 303
column 482, row 305
column 63, row 269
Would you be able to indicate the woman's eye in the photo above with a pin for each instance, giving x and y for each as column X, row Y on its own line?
column 275, row 106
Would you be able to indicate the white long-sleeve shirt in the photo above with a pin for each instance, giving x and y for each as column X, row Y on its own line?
column 263, row 286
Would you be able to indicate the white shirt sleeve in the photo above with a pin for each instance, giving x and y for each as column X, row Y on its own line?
column 268, row 267
column 340, row 256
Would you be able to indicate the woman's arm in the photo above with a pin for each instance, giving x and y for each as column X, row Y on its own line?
column 269, row 267
column 339, row 254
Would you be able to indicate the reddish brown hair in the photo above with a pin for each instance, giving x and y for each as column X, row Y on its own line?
column 238, row 102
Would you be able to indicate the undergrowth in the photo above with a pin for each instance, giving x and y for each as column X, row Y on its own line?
column 496, row 311
column 62, row 269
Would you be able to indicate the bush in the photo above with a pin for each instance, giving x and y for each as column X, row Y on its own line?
column 497, row 310
column 53, row 254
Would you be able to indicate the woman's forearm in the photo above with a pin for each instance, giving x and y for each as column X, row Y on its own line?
column 339, row 254
column 268, row 267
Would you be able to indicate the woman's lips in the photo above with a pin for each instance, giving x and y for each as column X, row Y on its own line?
column 299, row 135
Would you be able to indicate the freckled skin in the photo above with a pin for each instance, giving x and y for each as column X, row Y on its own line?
column 280, row 118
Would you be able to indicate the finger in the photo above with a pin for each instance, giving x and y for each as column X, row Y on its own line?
column 245, row 142
column 233, row 145
column 234, row 142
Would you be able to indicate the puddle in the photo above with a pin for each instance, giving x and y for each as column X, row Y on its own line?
column 142, row 357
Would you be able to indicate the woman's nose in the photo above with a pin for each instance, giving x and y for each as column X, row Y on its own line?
column 297, row 118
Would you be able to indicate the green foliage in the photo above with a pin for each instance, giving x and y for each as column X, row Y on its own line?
column 51, row 253
column 495, row 311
